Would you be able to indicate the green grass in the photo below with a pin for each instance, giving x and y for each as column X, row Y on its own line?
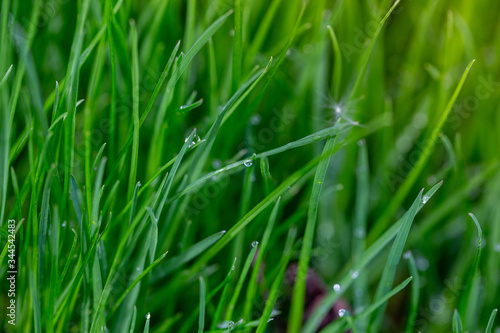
column 168, row 162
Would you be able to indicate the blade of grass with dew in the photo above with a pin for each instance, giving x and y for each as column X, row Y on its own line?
column 339, row 324
column 451, row 203
column 408, row 183
column 203, row 291
column 278, row 280
column 393, row 260
column 415, row 292
column 254, row 212
column 203, row 151
column 146, row 326
column 188, row 107
column 244, row 206
column 331, row 297
column 252, row 283
column 222, row 301
column 299, row 288
column 239, row 285
column 320, row 135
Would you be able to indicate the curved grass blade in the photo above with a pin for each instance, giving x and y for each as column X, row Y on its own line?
column 241, row 280
column 225, row 293
column 395, row 254
column 278, row 280
column 415, row 292
column 252, row 283
column 297, row 305
column 491, row 321
column 470, row 304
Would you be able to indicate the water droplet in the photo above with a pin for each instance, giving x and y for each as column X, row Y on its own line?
column 148, row 316
column 191, row 144
column 186, row 139
column 64, row 223
column 248, row 163
column 216, row 164
column 342, row 313
column 497, row 247
column 422, row 263
column 255, row 243
column 336, row 287
column 425, row 198
column 407, row 255
column 360, row 232
column 337, row 109
column 255, row 119
column 354, row 274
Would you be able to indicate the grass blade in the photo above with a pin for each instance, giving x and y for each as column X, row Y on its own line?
column 389, row 273
column 203, row 291
column 297, row 305
column 491, row 321
column 457, row 322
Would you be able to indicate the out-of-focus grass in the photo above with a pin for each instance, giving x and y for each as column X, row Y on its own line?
column 148, row 147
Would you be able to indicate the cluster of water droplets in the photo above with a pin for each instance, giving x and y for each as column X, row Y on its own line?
column 196, row 139
column 249, row 162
